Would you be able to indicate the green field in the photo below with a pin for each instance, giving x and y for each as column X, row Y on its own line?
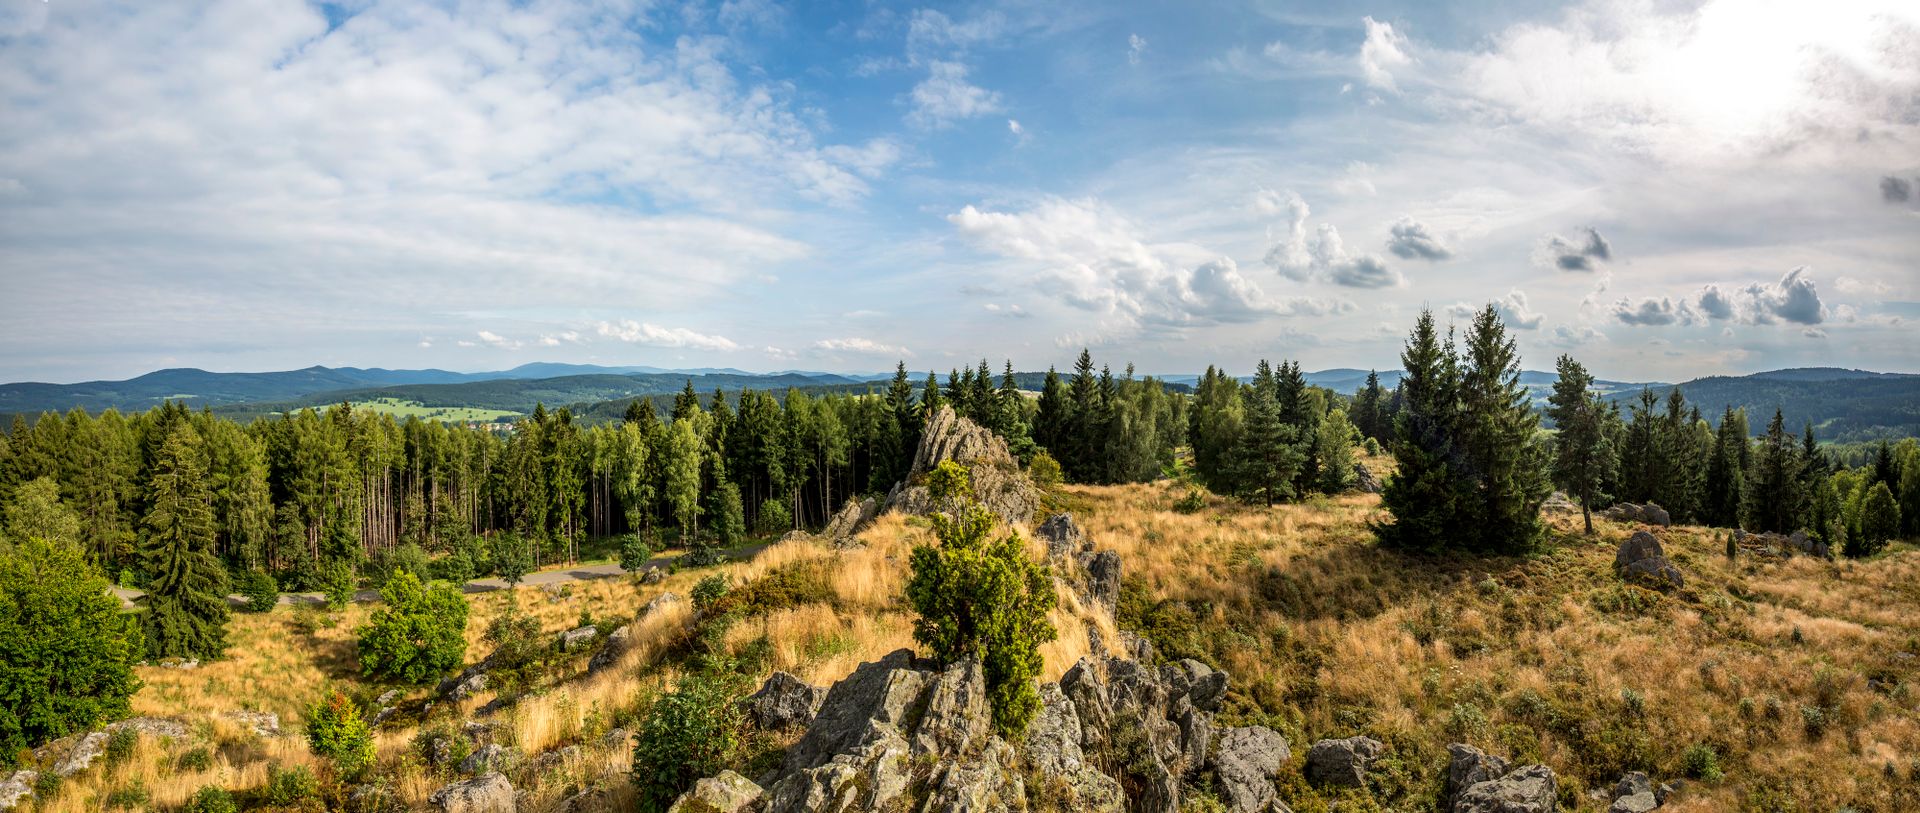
column 400, row 408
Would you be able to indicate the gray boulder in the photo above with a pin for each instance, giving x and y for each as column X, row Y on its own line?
column 1634, row 793
column 1244, row 765
column 466, row 687
column 492, row 757
column 1364, row 480
column 784, row 701
column 1642, row 558
column 1530, row 789
column 853, row 518
column 1063, row 536
column 727, row 793
column 1468, row 766
column 18, row 786
column 1095, row 576
column 659, row 602
column 653, row 575
column 617, row 644
column 84, row 752
column 579, row 638
column 1342, row 763
column 267, row 723
column 486, row 794
column 956, row 718
column 1649, row 514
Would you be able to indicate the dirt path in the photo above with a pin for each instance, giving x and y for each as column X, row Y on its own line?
column 128, row 596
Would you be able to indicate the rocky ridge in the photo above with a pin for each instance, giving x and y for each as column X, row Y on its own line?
column 998, row 482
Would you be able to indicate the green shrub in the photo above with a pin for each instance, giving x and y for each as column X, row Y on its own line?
column 1701, row 762
column 194, row 759
column 66, row 652
column 120, row 745
column 981, row 597
column 419, row 635
column 212, row 799
column 288, row 787
column 47, row 786
column 131, row 797
column 336, row 581
column 708, row 591
column 516, row 638
column 689, row 733
column 1813, row 720
column 791, row 585
column 634, row 552
column 1192, row 502
column 1044, row 470
column 1467, row 723
column 511, row 558
column 336, row 731
column 262, row 592
column 775, row 518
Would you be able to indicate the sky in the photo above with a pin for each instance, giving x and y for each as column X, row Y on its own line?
column 1664, row 190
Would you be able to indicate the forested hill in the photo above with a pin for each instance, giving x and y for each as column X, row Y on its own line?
column 1844, row 406
column 591, row 397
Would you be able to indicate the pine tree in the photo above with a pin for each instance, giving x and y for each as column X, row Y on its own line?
column 1426, row 495
column 1267, row 459
column 187, row 588
column 1775, row 495
column 1054, row 416
column 930, row 400
column 1081, row 445
column 1725, row 478
column 1582, row 454
column 686, row 404
column 1368, row 404
column 1499, row 425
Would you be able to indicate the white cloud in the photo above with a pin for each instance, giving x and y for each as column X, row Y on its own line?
column 1013, row 126
column 1383, row 51
column 1324, row 257
column 1794, row 299
column 1011, row 311
column 862, row 346
column 495, row 340
column 646, row 333
column 1513, row 310
column 1136, row 45
column 1093, row 259
column 1583, row 252
column 946, row 96
column 779, row 354
column 1411, row 239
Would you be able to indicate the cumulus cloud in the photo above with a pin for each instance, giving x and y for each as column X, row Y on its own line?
column 1582, row 252
column 1093, row 259
column 1513, row 310
column 1895, row 189
column 1413, row 240
column 647, row 333
column 1010, row 311
column 1383, row 51
column 1136, row 45
column 1794, row 299
column 495, row 340
column 946, row 96
column 1324, row 257
column 1813, row 333
column 1574, row 336
column 862, row 346
column 1651, row 311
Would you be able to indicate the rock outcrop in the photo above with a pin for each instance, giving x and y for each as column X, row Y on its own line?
column 853, row 518
column 1364, row 480
column 1528, row 789
column 267, row 723
column 1641, row 557
column 784, row 701
column 18, row 786
column 727, row 793
column 617, row 643
column 492, row 757
column 998, row 482
column 84, row 752
column 1649, row 514
column 1094, row 575
column 1634, row 793
column 486, row 794
column 579, row 638
column 1468, row 766
column 1343, row 763
column 1245, row 764
column 1782, row 544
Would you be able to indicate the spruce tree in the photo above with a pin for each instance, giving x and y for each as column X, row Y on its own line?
column 1499, row 425
column 1725, row 479
column 1054, row 416
column 1775, row 495
column 930, row 400
column 1368, row 404
column 1267, row 459
column 187, row 588
column 1426, row 495
column 1582, row 453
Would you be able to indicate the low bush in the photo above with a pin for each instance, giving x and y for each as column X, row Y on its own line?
column 336, row 731
column 212, row 799
column 691, row 732
column 289, row 787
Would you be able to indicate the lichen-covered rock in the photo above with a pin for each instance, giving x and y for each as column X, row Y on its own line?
column 1642, row 558
column 1468, row 766
column 853, row 517
column 84, row 752
column 578, row 638
column 784, row 701
column 1095, row 576
column 1649, row 514
column 728, row 792
column 152, row 727
column 1529, row 789
column 486, row 758
column 486, row 794
column 1634, row 793
column 998, row 483
column 466, row 687
column 18, row 786
column 653, row 575
column 1245, row 764
column 617, row 643
column 659, row 603
column 267, row 723
column 1342, row 763
column 1364, row 480
column 1063, row 536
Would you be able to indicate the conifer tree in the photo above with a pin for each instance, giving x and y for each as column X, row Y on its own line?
column 930, row 400
column 1775, row 495
column 1499, row 425
column 1426, row 494
column 1368, row 404
column 686, row 403
column 1725, row 485
column 1267, row 458
column 1582, row 453
column 187, row 588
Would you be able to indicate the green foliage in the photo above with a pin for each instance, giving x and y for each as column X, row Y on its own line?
column 187, row 591
column 1192, row 502
column 774, row 517
column 1701, row 762
column 66, row 652
column 727, row 519
column 419, row 635
column 289, row 787
column 709, row 591
column 336, row 731
column 511, row 558
column 134, row 796
column 193, row 759
column 336, row 584
column 212, row 799
column 1044, row 470
column 37, row 513
column 634, row 552
column 261, row 591
column 120, row 745
column 691, row 732
column 976, row 596
column 1879, row 522
column 515, row 637
column 409, row 557
column 1584, row 456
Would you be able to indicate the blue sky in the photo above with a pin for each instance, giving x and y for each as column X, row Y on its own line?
column 1665, row 190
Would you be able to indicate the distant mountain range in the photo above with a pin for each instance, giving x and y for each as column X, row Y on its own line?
column 1842, row 404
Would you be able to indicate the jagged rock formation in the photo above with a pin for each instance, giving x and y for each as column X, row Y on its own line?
column 1364, row 480
column 1245, row 766
column 1094, row 575
column 1649, row 514
column 854, row 517
column 1641, row 557
column 1468, row 766
column 784, row 701
column 1479, row 782
column 1343, row 763
column 998, row 482
column 487, row 794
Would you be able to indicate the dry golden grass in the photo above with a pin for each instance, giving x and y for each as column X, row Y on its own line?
column 1544, row 658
